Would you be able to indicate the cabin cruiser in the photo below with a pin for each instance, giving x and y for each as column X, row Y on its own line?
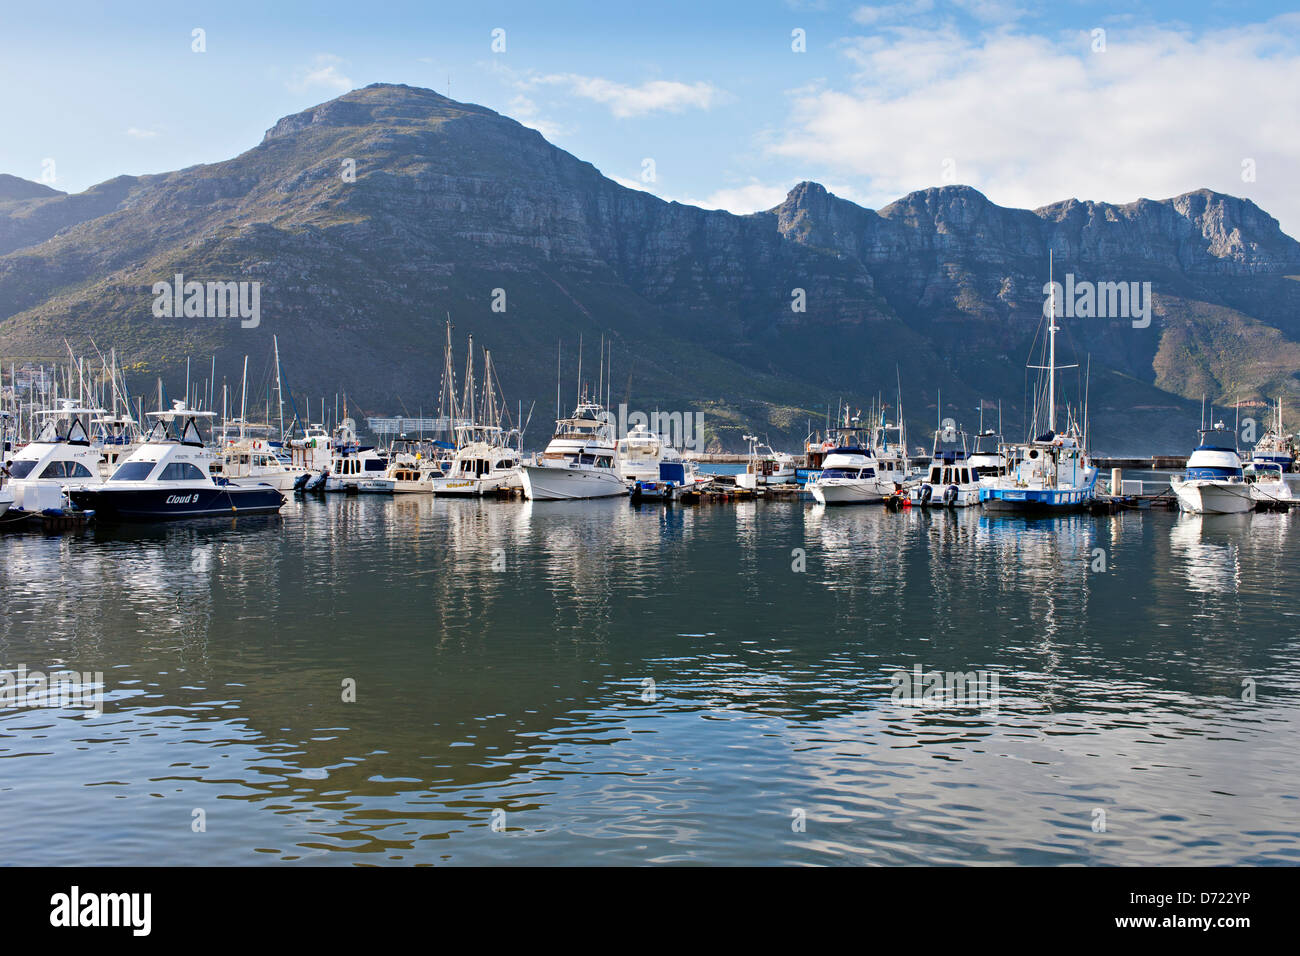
column 1267, row 481
column 579, row 462
column 415, row 467
column 953, row 480
column 354, row 468
column 255, row 461
column 849, row 467
column 61, row 458
column 1214, row 482
column 484, row 463
column 652, row 467
column 168, row 477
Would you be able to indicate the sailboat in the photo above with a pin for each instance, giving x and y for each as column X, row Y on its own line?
column 1051, row 473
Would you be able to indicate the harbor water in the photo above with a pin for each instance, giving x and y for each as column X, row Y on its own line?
column 430, row 681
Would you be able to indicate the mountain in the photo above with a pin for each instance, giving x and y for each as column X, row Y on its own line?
column 368, row 218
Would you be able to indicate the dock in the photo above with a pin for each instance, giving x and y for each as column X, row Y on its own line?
column 36, row 521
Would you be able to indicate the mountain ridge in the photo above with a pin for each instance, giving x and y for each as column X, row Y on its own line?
column 451, row 201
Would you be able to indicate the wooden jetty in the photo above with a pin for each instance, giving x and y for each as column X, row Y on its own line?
column 45, row 523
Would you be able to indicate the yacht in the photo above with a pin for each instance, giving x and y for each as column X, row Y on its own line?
column 255, row 461
column 1052, row 473
column 579, row 462
column 1214, row 482
column 61, row 458
column 168, row 477
column 953, row 480
column 848, row 473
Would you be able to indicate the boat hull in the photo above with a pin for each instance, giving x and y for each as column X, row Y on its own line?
column 170, row 504
column 1035, row 500
column 568, row 484
column 1213, row 497
column 846, row 492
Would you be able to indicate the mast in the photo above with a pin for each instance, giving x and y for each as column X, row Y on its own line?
column 243, row 399
column 279, row 392
column 1051, row 337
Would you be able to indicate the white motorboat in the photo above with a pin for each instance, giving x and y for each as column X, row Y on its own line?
column 849, row 469
column 1214, row 482
column 61, row 458
column 354, row 468
column 952, row 481
column 579, row 462
column 1268, row 484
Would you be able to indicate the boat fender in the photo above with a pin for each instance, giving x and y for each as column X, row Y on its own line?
column 950, row 494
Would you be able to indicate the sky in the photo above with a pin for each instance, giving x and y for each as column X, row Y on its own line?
column 720, row 104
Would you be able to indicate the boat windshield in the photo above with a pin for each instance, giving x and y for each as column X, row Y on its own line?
column 21, row 469
column 133, row 471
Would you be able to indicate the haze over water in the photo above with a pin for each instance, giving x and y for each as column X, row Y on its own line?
column 224, row 648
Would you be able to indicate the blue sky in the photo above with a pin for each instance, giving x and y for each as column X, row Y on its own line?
column 1020, row 103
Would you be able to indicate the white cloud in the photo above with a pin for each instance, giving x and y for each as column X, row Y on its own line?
column 523, row 109
column 137, row 133
column 1029, row 120
column 653, row 96
column 325, row 72
column 751, row 197
column 882, row 12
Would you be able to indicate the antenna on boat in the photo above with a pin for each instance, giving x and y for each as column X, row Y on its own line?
column 559, row 348
column 579, row 366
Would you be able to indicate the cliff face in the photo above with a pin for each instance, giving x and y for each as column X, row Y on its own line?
column 368, row 218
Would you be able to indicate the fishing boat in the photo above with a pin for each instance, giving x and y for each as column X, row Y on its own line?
column 770, row 467
column 1051, row 473
column 484, row 463
column 168, row 478
column 579, row 462
column 1215, row 481
column 953, row 480
column 848, row 474
column 61, row 458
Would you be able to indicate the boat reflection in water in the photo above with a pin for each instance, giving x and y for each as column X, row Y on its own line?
column 366, row 680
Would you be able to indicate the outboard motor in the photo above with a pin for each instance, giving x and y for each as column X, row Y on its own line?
column 927, row 492
column 950, row 495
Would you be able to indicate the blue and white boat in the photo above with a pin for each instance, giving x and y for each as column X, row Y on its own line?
column 1215, row 481
column 1052, row 473
column 168, row 477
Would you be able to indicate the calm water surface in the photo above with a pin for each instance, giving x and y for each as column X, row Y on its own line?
column 604, row 684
